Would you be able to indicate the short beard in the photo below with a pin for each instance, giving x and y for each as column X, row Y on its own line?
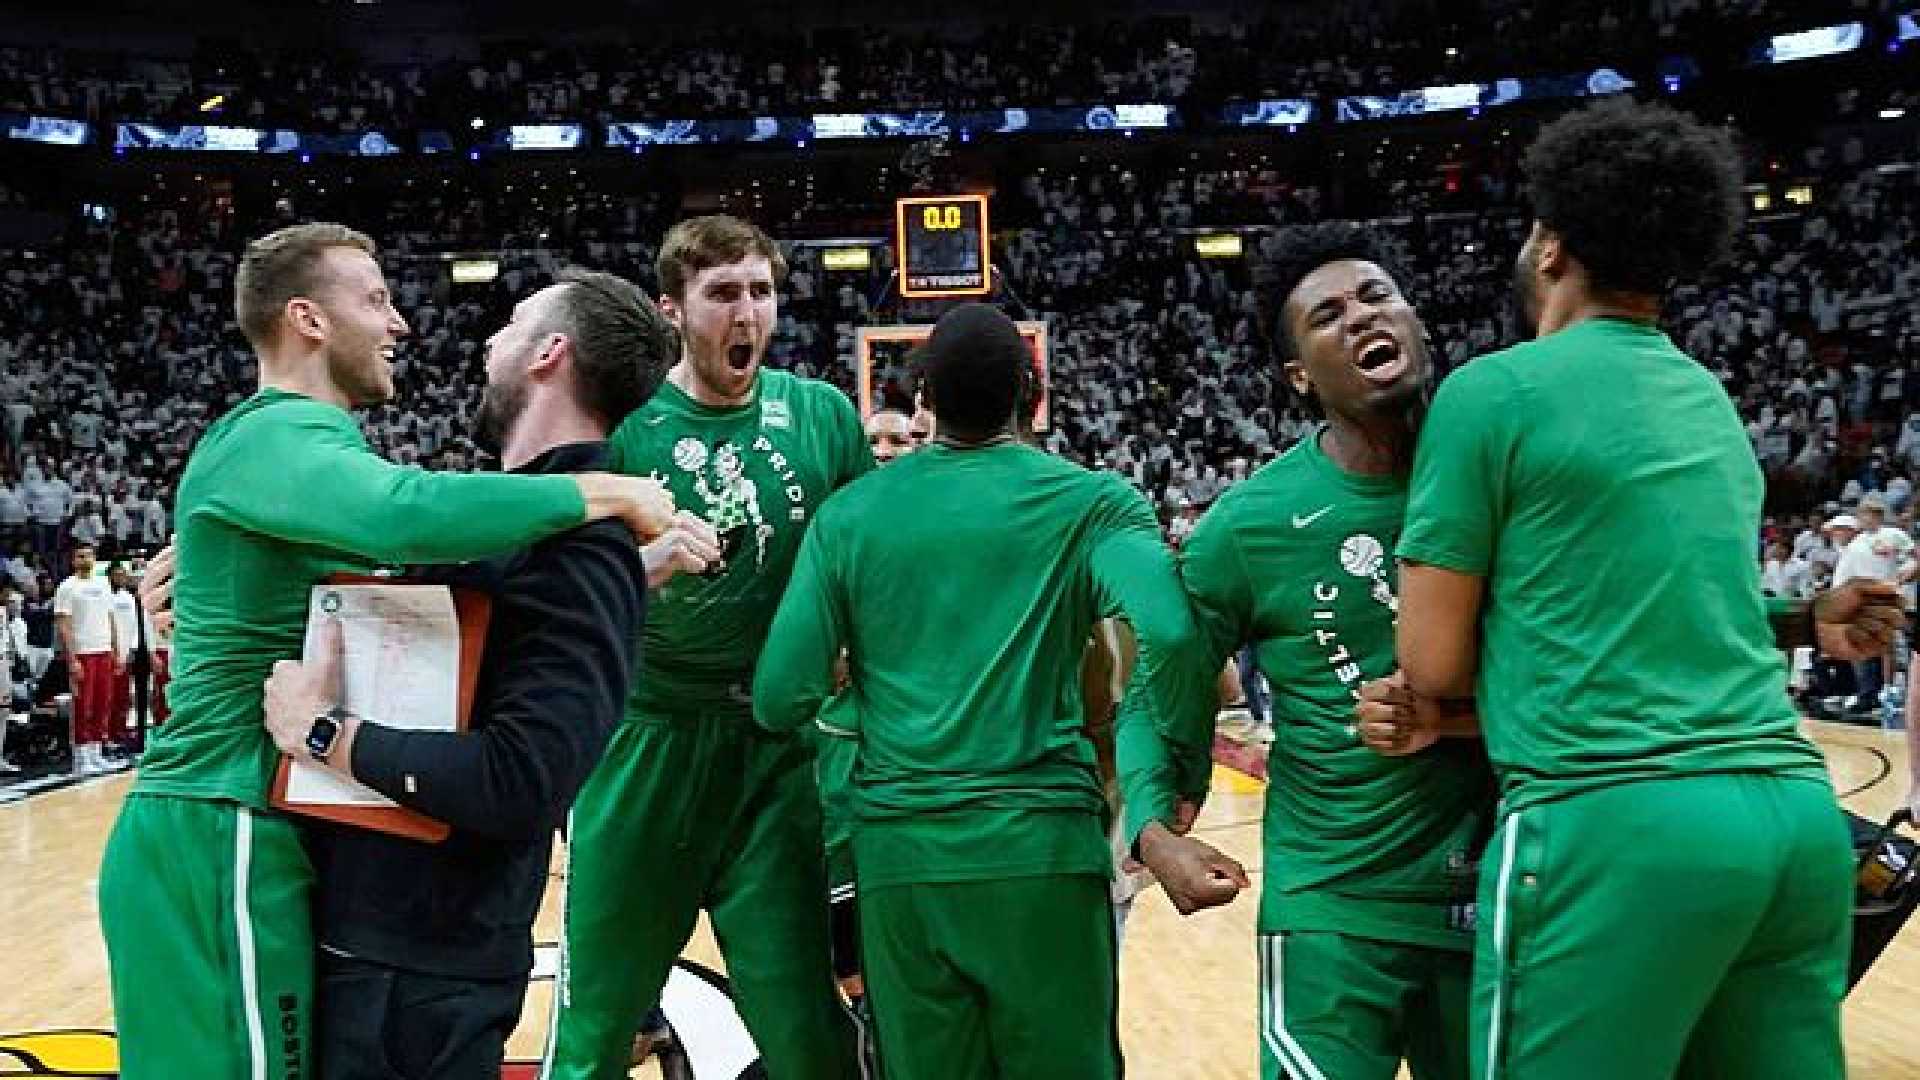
column 500, row 407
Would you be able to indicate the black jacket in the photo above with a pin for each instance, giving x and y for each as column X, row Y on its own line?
column 561, row 649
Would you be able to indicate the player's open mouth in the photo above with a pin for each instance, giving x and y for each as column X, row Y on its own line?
column 1380, row 358
column 388, row 352
column 740, row 356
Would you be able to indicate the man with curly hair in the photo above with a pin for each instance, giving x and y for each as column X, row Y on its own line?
column 1365, row 934
column 1668, row 890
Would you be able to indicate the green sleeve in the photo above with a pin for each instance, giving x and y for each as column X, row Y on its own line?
column 795, row 672
column 1171, row 688
column 301, row 472
column 853, row 458
column 1459, row 490
column 1143, row 761
column 1161, row 763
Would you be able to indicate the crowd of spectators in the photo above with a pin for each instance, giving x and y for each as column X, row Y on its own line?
column 668, row 72
column 116, row 346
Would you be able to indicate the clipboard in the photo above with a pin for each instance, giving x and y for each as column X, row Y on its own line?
column 473, row 610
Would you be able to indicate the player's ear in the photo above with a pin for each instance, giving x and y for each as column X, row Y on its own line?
column 1297, row 378
column 554, row 351
column 1553, row 254
column 671, row 309
column 308, row 320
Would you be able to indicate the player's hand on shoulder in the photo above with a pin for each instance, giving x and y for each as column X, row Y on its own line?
column 688, row 546
column 642, row 503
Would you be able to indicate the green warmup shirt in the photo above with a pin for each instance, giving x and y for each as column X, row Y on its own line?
column 757, row 472
column 1297, row 560
column 964, row 584
column 1601, row 481
column 280, row 493
column 836, row 749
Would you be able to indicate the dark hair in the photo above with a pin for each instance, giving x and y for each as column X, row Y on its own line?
column 1299, row 251
column 978, row 371
column 973, row 400
column 622, row 345
column 1640, row 194
column 697, row 243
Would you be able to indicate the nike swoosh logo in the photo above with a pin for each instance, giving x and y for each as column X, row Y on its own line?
column 656, row 421
column 1302, row 522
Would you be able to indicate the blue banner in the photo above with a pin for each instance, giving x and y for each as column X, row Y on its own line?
column 51, row 130
column 1599, row 82
column 918, row 124
column 541, row 137
column 250, row 140
column 1809, row 44
column 1284, row 112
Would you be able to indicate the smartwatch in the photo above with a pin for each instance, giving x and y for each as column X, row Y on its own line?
column 324, row 733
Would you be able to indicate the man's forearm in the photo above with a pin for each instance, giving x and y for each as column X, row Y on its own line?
column 1457, row 718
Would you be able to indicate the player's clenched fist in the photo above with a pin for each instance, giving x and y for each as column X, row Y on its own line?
column 1858, row 620
column 688, row 546
column 1393, row 720
column 1389, row 720
column 1195, row 875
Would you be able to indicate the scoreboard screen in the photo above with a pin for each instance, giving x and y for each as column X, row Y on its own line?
column 944, row 249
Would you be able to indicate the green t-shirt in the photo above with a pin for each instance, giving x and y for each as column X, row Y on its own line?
column 964, row 584
column 1602, row 483
column 1297, row 560
column 757, row 472
column 280, row 493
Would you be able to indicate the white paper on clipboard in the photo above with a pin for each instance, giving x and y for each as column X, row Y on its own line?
column 402, row 671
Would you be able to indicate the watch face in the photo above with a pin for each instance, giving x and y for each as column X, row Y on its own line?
column 320, row 737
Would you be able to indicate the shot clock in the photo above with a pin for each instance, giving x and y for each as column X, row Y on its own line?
column 944, row 249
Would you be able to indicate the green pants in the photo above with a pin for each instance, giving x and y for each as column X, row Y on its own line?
column 990, row 979
column 204, row 905
column 685, row 813
column 1692, row 927
column 1334, row 1007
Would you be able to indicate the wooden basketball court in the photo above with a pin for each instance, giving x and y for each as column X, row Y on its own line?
column 1187, row 985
